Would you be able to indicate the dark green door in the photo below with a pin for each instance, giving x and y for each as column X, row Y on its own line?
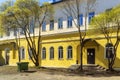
column 91, row 56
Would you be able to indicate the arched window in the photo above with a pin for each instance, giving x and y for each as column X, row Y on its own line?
column 51, row 53
column 22, row 53
column 109, row 50
column 30, row 53
column 69, row 52
column 43, row 53
column 60, row 52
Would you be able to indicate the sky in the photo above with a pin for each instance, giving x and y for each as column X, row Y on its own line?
column 2, row 1
column 40, row 1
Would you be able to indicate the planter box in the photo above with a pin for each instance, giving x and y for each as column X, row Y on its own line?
column 22, row 66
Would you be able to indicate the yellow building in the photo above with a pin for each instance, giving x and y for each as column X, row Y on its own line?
column 60, row 44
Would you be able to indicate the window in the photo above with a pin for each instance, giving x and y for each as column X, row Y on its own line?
column 52, row 25
column 69, row 22
column 30, row 53
column 43, row 53
column 21, row 31
column 109, row 50
column 22, row 53
column 31, row 26
column 51, row 53
column 60, row 52
column 69, row 52
column 15, row 32
column 8, row 32
column 1, row 35
column 80, row 20
column 44, row 26
column 60, row 23
column 91, row 15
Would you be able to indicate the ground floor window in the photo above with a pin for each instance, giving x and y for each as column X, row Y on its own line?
column 43, row 53
column 51, row 53
column 22, row 53
column 60, row 52
column 69, row 52
column 109, row 50
column 30, row 53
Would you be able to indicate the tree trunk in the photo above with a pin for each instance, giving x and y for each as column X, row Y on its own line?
column 81, row 57
column 37, row 63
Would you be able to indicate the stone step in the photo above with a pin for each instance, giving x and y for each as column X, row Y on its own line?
column 87, row 67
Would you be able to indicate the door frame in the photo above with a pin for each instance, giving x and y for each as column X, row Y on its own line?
column 90, row 56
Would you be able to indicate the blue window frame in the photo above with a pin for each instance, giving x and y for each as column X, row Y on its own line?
column 51, row 25
column 44, row 26
column 69, row 22
column 31, row 26
column 60, row 23
column 80, row 19
column 90, row 16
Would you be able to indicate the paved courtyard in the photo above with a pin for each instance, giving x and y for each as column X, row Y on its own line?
column 10, row 73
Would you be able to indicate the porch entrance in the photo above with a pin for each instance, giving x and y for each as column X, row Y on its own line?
column 90, row 56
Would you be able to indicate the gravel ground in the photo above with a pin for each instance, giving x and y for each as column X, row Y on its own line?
column 10, row 73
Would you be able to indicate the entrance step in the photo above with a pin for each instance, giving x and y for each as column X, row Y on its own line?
column 93, row 67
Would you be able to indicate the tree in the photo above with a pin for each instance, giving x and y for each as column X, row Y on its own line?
column 75, row 8
column 108, row 24
column 24, row 15
column 5, row 5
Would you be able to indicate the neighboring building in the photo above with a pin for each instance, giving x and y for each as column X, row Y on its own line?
column 60, row 41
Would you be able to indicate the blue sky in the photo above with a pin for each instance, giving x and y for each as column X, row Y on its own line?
column 2, row 1
column 40, row 0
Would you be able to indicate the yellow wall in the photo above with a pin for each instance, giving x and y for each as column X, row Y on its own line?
column 63, row 40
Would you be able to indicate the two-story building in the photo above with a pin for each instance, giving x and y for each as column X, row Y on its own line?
column 60, row 41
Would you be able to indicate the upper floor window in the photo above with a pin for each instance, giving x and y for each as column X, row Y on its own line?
column 15, row 31
column 51, row 53
column 80, row 19
column 43, row 53
column 60, row 52
column 60, row 23
column 8, row 32
column 69, row 52
column 21, row 31
column 90, row 16
column 31, row 26
column 52, row 25
column 69, row 21
column 22, row 53
column 44, row 26
column 1, row 35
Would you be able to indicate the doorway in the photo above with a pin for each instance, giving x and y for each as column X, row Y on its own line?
column 7, row 56
column 90, row 56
